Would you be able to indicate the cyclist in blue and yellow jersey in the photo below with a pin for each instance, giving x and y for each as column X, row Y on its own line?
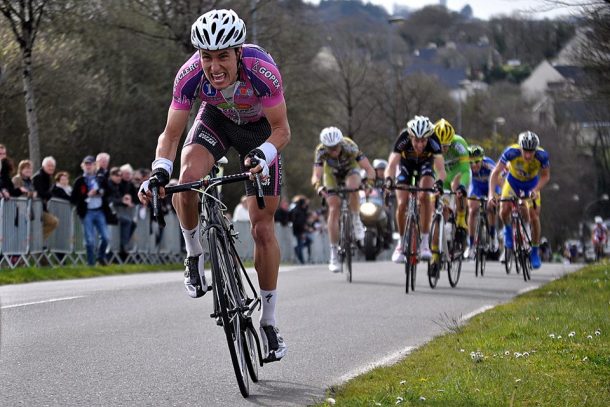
column 417, row 152
column 481, row 168
column 528, row 172
column 337, row 160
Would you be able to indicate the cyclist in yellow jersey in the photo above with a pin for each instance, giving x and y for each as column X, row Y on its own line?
column 528, row 172
column 337, row 160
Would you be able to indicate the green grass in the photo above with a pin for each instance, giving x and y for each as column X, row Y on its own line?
column 549, row 347
column 30, row 274
column 21, row 275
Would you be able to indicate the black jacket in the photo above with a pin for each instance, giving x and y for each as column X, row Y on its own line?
column 79, row 194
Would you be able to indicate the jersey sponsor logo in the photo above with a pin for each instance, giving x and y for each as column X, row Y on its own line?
column 269, row 75
column 208, row 89
column 186, row 71
column 245, row 91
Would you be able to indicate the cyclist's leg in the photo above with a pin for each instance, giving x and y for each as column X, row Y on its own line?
column 505, row 208
column 534, row 215
column 204, row 144
column 353, row 181
column 334, row 212
column 425, row 212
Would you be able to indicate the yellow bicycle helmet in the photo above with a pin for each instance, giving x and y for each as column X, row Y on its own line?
column 444, row 131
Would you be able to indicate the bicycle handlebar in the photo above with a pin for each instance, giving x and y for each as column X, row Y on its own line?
column 202, row 183
column 412, row 188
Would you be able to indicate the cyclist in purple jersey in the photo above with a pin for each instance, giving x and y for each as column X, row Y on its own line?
column 242, row 106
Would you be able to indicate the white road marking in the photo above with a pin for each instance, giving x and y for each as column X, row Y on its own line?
column 387, row 361
column 476, row 312
column 41, row 302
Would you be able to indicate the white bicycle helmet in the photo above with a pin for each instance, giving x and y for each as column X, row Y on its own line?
column 218, row 29
column 379, row 164
column 331, row 136
column 528, row 140
column 420, row 127
column 598, row 219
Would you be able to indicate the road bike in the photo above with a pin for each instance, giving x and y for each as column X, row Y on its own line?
column 235, row 297
column 482, row 238
column 347, row 238
column 447, row 251
column 411, row 238
column 521, row 240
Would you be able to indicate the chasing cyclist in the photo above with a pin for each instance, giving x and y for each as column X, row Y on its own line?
column 417, row 151
column 481, row 168
column 456, row 156
column 242, row 106
column 337, row 160
column 528, row 172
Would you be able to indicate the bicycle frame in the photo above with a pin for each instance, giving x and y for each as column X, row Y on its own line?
column 521, row 240
column 347, row 237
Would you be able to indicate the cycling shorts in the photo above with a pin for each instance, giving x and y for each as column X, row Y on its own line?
column 480, row 189
column 413, row 169
column 514, row 187
column 216, row 133
column 333, row 177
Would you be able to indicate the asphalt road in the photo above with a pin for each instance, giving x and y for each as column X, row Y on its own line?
column 139, row 340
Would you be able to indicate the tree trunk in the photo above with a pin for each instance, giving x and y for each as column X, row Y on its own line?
column 30, row 109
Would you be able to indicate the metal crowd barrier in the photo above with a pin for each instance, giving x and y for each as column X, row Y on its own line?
column 21, row 238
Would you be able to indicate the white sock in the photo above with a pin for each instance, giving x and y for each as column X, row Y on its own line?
column 269, row 299
column 192, row 242
column 424, row 240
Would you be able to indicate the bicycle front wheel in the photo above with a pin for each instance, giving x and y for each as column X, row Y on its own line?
column 454, row 266
column 434, row 265
column 230, row 304
column 522, row 252
column 346, row 245
column 480, row 245
column 411, row 248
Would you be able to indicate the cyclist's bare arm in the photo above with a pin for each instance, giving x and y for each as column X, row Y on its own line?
column 316, row 175
column 545, row 176
column 393, row 161
column 455, row 182
column 366, row 165
column 168, row 141
column 439, row 167
column 280, row 129
column 494, row 179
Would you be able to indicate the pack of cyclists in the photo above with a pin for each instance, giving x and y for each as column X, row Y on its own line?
column 433, row 156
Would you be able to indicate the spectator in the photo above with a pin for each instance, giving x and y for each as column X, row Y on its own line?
column 299, row 214
column 43, row 184
column 121, row 203
column 62, row 188
column 127, row 183
column 282, row 216
column 89, row 197
column 7, row 189
column 23, row 180
column 103, row 162
column 241, row 210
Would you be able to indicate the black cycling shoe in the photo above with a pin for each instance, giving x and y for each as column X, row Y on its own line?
column 192, row 280
column 273, row 344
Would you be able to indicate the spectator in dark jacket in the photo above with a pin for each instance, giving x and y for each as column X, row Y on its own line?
column 282, row 215
column 299, row 215
column 62, row 188
column 23, row 180
column 43, row 184
column 122, row 203
column 88, row 194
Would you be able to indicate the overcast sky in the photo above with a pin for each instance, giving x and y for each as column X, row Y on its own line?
column 486, row 8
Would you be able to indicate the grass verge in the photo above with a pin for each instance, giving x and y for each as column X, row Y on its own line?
column 30, row 274
column 549, row 347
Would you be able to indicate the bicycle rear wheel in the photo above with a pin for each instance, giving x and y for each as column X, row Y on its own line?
column 230, row 304
column 434, row 265
column 411, row 248
column 455, row 253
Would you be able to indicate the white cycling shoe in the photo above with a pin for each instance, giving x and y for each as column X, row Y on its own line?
column 398, row 256
column 359, row 228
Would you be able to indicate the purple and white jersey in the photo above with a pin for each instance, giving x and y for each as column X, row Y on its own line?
column 259, row 85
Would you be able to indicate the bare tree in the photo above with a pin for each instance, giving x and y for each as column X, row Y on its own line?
column 24, row 18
